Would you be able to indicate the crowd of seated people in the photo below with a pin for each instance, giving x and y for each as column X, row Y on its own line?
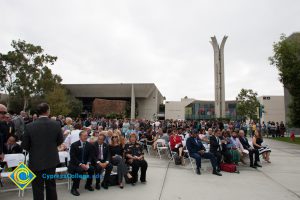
column 93, row 157
column 228, row 146
column 97, row 144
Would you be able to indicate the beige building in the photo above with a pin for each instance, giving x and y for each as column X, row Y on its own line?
column 274, row 108
column 176, row 109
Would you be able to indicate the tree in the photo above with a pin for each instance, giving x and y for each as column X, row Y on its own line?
column 286, row 59
column 8, row 66
column 247, row 103
column 75, row 106
column 26, row 71
column 58, row 101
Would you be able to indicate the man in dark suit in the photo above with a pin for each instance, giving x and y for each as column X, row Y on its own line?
column 3, row 112
column 215, row 147
column 81, row 157
column 11, row 147
column 41, row 138
column 252, row 151
column 197, row 151
column 101, row 162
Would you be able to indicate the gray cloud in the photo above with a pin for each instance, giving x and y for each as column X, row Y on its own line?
column 165, row 42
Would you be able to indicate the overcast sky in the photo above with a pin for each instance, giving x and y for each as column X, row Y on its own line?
column 165, row 42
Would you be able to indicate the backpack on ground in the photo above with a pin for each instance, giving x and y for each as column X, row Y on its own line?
column 177, row 159
column 227, row 167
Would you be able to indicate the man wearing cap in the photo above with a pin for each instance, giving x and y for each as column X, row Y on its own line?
column 197, row 151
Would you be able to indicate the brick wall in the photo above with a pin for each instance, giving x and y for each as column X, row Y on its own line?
column 104, row 107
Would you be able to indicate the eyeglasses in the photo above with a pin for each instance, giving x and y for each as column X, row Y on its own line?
column 3, row 112
column 114, row 137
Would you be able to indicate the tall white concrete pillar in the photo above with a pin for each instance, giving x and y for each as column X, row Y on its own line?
column 132, row 115
column 219, row 76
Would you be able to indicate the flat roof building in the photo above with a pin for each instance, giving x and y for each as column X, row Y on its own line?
column 144, row 98
column 274, row 108
column 176, row 109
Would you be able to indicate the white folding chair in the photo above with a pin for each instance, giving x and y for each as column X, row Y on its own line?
column 64, row 158
column 149, row 147
column 172, row 153
column 161, row 146
column 12, row 160
column 190, row 159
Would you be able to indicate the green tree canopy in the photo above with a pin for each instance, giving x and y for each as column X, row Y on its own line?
column 58, row 101
column 25, row 71
column 247, row 103
column 286, row 58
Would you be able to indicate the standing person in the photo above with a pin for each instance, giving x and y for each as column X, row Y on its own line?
column 282, row 129
column 19, row 125
column 10, row 125
column 3, row 112
column 41, row 139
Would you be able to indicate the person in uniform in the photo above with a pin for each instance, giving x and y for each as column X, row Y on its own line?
column 135, row 157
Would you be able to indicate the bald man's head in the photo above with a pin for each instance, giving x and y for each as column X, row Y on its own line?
column 3, row 111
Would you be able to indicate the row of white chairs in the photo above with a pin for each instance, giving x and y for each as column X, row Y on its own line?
column 161, row 147
column 13, row 160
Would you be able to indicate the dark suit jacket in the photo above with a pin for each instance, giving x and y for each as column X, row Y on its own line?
column 76, row 151
column 41, row 138
column 3, row 135
column 1, row 143
column 245, row 143
column 193, row 146
column 214, row 145
column 106, row 156
column 15, row 149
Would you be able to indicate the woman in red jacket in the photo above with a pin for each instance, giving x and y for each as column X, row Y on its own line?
column 176, row 143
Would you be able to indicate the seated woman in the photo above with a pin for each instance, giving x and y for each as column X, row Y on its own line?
column 176, row 144
column 116, row 152
column 235, row 147
column 135, row 157
column 257, row 141
column 150, row 137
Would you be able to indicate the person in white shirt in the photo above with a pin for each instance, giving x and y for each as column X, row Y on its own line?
column 73, row 136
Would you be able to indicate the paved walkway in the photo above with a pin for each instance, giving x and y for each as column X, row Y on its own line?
column 279, row 180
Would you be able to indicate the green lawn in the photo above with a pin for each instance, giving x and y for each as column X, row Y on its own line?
column 287, row 139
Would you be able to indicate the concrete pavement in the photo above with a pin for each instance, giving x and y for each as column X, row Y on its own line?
column 279, row 180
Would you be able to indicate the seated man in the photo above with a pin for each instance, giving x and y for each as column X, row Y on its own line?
column 102, row 162
column 11, row 147
column 215, row 146
column 81, row 156
column 252, row 151
column 135, row 157
column 197, row 151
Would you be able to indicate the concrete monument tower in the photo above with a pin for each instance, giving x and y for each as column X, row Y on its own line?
column 219, row 76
